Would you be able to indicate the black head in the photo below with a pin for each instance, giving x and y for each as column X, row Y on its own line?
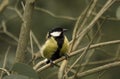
column 57, row 32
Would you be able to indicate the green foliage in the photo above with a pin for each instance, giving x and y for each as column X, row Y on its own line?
column 24, row 69
column 16, row 77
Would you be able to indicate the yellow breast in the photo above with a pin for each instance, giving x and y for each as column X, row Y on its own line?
column 49, row 48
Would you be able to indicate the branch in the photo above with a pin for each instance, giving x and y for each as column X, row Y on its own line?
column 3, row 5
column 64, row 63
column 98, row 62
column 97, row 69
column 89, row 55
column 25, row 31
column 76, row 27
column 108, row 18
column 17, row 12
column 7, row 32
column 10, row 35
column 75, row 53
column 88, row 15
column 35, row 39
column 5, row 61
column 8, row 73
column 91, row 24
column 83, row 53
column 95, row 46
column 62, row 69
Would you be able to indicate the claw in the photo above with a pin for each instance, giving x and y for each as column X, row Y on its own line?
column 66, row 56
column 52, row 64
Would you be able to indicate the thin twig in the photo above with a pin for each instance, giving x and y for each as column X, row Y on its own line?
column 31, row 44
column 91, row 24
column 92, row 52
column 86, row 50
column 76, row 27
column 35, row 55
column 108, row 18
column 98, row 62
column 76, row 31
column 54, row 15
column 100, row 68
column 87, row 15
column 8, row 73
column 23, row 5
column 10, row 34
column 96, row 45
column 5, row 58
column 90, row 10
column 35, row 39
column 17, row 11
column 7, row 32
column 5, row 61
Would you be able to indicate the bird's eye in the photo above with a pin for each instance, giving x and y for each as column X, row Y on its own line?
column 55, row 34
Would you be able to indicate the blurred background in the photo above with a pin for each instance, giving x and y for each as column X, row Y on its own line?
column 48, row 14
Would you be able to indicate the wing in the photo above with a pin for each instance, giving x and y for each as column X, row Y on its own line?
column 49, row 48
column 65, row 46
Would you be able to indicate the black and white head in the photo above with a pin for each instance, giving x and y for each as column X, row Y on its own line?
column 57, row 32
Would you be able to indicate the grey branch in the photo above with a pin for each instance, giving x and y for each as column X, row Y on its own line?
column 25, row 31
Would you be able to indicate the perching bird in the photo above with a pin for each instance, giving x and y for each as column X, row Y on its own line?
column 56, row 45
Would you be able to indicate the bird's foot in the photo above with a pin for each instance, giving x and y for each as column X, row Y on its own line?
column 66, row 56
column 52, row 64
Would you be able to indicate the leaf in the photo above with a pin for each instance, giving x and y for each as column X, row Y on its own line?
column 118, row 13
column 16, row 77
column 25, row 70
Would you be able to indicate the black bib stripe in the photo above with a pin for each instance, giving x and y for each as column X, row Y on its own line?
column 56, row 55
column 60, row 41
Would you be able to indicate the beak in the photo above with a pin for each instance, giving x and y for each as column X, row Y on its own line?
column 64, row 30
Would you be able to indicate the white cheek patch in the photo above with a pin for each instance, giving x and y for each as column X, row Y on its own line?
column 55, row 34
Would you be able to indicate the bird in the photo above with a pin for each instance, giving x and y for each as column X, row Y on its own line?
column 56, row 45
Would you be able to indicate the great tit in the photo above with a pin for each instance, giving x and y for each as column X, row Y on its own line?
column 56, row 45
